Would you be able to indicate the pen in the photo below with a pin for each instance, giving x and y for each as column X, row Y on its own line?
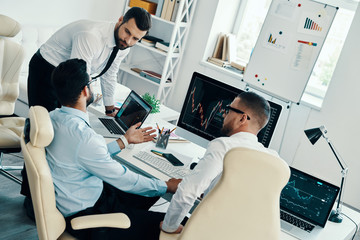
column 157, row 126
column 162, row 130
column 172, row 130
column 157, row 152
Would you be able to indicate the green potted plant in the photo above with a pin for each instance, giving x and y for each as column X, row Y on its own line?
column 155, row 103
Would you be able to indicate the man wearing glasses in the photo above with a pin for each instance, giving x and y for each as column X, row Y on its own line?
column 243, row 119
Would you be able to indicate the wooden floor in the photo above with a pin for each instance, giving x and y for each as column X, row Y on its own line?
column 14, row 224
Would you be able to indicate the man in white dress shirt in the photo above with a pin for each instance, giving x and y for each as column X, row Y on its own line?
column 243, row 119
column 94, row 43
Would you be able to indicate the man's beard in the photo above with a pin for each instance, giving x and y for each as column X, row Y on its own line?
column 121, row 44
column 90, row 100
column 225, row 130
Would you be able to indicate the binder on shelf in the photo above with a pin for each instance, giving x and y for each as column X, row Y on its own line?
column 159, row 8
column 175, row 11
column 164, row 9
column 169, row 9
column 147, row 5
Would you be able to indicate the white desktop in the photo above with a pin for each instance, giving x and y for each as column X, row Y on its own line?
column 190, row 152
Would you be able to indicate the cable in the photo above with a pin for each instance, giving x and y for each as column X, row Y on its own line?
column 160, row 204
column 354, row 223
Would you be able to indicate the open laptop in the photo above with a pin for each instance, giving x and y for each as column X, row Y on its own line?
column 309, row 200
column 133, row 110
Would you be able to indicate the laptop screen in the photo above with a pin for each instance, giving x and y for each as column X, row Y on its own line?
column 308, row 197
column 133, row 110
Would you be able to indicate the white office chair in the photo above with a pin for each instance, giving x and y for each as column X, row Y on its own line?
column 50, row 223
column 11, row 58
column 245, row 204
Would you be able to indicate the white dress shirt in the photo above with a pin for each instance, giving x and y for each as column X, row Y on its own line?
column 91, row 41
column 80, row 161
column 205, row 175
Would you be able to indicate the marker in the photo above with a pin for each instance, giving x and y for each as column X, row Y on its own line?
column 157, row 153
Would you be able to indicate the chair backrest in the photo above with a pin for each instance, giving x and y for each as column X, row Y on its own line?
column 245, row 204
column 11, row 59
column 50, row 222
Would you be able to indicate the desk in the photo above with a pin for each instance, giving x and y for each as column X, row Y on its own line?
column 332, row 231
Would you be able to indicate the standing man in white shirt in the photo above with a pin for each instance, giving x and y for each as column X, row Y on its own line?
column 94, row 43
column 243, row 119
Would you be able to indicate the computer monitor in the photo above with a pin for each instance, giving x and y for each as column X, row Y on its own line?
column 204, row 105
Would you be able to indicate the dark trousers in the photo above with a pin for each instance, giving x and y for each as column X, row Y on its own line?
column 40, row 92
column 144, row 223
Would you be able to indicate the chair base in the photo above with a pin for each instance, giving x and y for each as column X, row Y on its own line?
column 4, row 170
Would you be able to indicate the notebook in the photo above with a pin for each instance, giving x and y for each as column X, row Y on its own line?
column 309, row 200
column 133, row 110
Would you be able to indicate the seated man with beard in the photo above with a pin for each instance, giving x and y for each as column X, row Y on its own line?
column 243, row 119
column 86, row 179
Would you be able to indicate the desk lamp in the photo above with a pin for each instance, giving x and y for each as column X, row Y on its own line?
column 313, row 135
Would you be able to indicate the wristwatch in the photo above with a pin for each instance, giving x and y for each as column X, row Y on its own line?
column 110, row 111
column 124, row 140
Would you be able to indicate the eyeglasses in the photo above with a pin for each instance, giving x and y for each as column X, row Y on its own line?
column 228, row 108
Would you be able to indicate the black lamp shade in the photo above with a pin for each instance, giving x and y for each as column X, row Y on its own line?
column 313, row 134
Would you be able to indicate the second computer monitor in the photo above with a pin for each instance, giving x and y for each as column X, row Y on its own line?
column 204, row 106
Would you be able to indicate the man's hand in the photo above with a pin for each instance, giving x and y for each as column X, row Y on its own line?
column 180, row 228
column 109, row 108
column 172, row 184
column 134, row 135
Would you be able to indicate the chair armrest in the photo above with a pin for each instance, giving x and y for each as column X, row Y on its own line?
column 114, row 220
column 168, row 236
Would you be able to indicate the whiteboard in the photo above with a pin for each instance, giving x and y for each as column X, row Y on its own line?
column 288, row 45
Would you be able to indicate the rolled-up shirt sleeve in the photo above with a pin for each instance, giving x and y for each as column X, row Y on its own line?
column 193, row 185
column 97, row 161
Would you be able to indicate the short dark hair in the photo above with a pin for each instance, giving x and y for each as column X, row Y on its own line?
column 258, row 106
column 141, row 16
column 69, row 79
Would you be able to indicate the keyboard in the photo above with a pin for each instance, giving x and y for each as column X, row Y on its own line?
column 296, row 221
column 162, row 165
column 111, row 125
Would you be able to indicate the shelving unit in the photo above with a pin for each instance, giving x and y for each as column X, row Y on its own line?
column 164, row 63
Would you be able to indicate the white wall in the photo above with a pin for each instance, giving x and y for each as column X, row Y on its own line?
column 339, row 112
column 61, row 12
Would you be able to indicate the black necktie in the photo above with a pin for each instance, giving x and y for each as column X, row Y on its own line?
column 110, row 61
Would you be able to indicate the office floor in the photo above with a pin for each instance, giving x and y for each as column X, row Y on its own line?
column 14, row 223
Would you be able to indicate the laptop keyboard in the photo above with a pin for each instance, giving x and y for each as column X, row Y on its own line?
column 111, row 125
column 162, row 165
column 296, row 221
